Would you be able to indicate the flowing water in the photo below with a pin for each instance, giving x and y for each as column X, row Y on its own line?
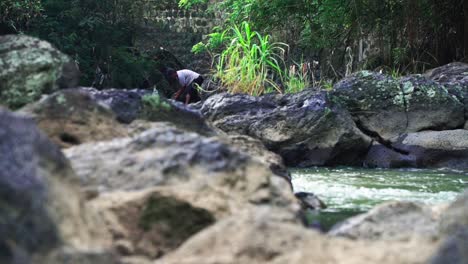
column 349, row 191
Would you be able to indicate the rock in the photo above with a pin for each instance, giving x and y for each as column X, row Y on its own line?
column 453, row 250
column 167, row 156
column 385, row 108
column 72, row 117
column 158, row 109
column 456, row 216
column 129, row 105
column 452, row 73
column 454, row 77
column 270, row 236
column 126, row 104
column 30, row 67
column 151, row 182
column 427, row 149
column 255, row 149
column 150, row 223
column 306, row 129
column 158, row 156
column 310, row 201
column 40, row 209
column 454, row 225
column 391, row 221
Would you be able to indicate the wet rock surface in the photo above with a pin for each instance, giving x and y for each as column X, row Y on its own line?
column 428, row 149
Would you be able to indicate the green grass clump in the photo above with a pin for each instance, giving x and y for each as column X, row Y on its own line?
column 249, row 63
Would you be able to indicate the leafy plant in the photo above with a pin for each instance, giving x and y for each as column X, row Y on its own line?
column 298, row 77
column 250, row 62
column 17, row 15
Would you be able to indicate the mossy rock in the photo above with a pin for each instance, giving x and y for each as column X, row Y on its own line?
column 388, row 107
column 30, row 67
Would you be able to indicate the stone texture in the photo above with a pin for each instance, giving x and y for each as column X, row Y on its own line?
column 306, row 129
column 427, row 149
column 30, row 67
column 72, row 117
column 386, row 108
column 40, row 209
column 391, row 221
column 269, row 236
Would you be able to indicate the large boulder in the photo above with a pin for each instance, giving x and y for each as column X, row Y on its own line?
column 391, row 221
column 195, row 178
column 454, row 77
column 41, row 210
column 385, row 107
column 130, row 105
column 30, row 67
column 79, row 115
column 427, row 149
column 454, row 225
column 271, row 236
column 168, row 156
column 306, row 129
column 72, row 117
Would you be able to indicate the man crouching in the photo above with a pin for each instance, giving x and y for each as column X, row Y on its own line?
column 186, row 81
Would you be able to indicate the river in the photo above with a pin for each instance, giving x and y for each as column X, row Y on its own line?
column 349, row 191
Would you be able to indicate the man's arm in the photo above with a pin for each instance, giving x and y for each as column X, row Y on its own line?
column 187, row 98
column 177, row 94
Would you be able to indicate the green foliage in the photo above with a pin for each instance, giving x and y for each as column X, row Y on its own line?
column 99, row 36
column 298, row 77
column 153, row 102
column 15, row 16
column 408, row 35
column 250, row 62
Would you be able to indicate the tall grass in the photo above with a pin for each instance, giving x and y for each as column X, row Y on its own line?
column 250, row 63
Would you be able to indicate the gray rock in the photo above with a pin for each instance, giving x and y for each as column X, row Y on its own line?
column 306, row 129
column 129, row 105
column 391, row 221
column 30, row 67
column 454, row 224
column 39, row 209
column 72, row 117
column 454, row 77
column 427, row 149
column 386, row 108
column 456, row 215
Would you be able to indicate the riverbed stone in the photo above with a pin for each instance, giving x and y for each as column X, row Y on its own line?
column 30, row 67
column 427, row 149
column 391, row 221
column 454, row 76
column 41, row 209
column 72, row 117
column 203, row 178
column 306, row 128
column 270, row 236
column 385, row 108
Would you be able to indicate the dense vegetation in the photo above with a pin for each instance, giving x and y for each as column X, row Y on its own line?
column 410, row 34
column 286, row 37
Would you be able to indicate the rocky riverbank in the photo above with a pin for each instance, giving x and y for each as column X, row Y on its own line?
column 127, row 176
